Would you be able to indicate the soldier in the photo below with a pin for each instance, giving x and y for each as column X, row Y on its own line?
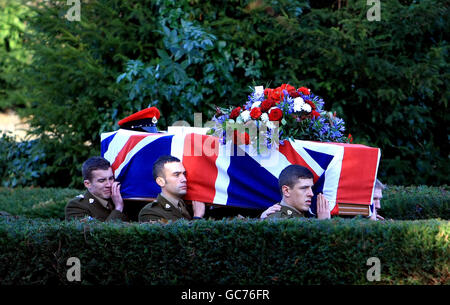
column 295, row 183
column 170, row 174
column 377, row 195
column 102, row 199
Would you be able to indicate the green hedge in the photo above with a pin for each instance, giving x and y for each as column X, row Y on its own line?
column 416, row 202
column 36, row 202
column 399, row 202
column 237, row 252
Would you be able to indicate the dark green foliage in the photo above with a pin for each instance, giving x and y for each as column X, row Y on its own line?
column 237, row 252
column 71, row 82
column 419, row 202
column 36, row 202
column 21, row 163
column 388, row 79
column 13, row 56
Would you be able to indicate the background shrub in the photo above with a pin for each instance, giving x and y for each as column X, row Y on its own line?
column 13, row 55
column 416, row 202
column 387, row 79
column 21, row 163
column 36, row 202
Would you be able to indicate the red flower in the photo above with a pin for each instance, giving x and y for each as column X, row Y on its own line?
column 350, row 138
column 267, row 104
column 304, row 90
column 255, row 113
column 275, row 114
column 241, row 138
column 276, row 94
column 294, row 93
column 267, row 91
column 315, row 114
column 235, row 113
column 313, row 106
column 287, row 87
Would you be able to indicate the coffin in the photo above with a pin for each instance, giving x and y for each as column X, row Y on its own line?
column 235, row 175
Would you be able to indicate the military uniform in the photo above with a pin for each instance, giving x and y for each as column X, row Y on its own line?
column 162, row 208
column 88, row 205
column 286, row 212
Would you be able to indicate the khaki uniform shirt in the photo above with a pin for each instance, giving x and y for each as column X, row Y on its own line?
column 286, row 212
column 162, row 208
column 88, row 205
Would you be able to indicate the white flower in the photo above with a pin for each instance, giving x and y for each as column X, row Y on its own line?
column 298, row 104
column 264, row 117
column 231, row 121
column 245, row 115
column 256, row 104
column 239, row 120
column 306, row 107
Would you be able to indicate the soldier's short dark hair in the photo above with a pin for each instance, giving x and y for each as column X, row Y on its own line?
column 158, row 166
column 290, row 174
column 93, row 164
column 379, row 185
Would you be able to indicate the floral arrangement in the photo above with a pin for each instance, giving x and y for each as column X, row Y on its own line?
column 283, row 113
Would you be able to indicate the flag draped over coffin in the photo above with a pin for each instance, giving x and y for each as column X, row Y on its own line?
column 237, row 176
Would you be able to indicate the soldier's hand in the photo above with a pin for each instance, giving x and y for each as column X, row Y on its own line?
column 379, row 217
column 199, row 208
column 116, row 196
column 275, row 208
column 323, row 209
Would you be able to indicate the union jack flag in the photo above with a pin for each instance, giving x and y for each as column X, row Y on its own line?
column 232, row 175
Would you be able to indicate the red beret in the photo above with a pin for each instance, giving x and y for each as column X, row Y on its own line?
column 144, row 115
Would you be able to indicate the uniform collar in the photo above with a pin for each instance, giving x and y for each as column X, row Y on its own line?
column 102, row 201
column 178, row 204
column 282, row 203
column 181, row 210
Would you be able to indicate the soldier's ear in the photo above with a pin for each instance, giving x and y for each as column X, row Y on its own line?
column 160, row 181
column 87, row 183
column 285, row 190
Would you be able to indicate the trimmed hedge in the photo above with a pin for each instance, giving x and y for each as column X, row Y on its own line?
column 416, row 202
column 36, row 202
column 236, row 252
column 399, row 202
